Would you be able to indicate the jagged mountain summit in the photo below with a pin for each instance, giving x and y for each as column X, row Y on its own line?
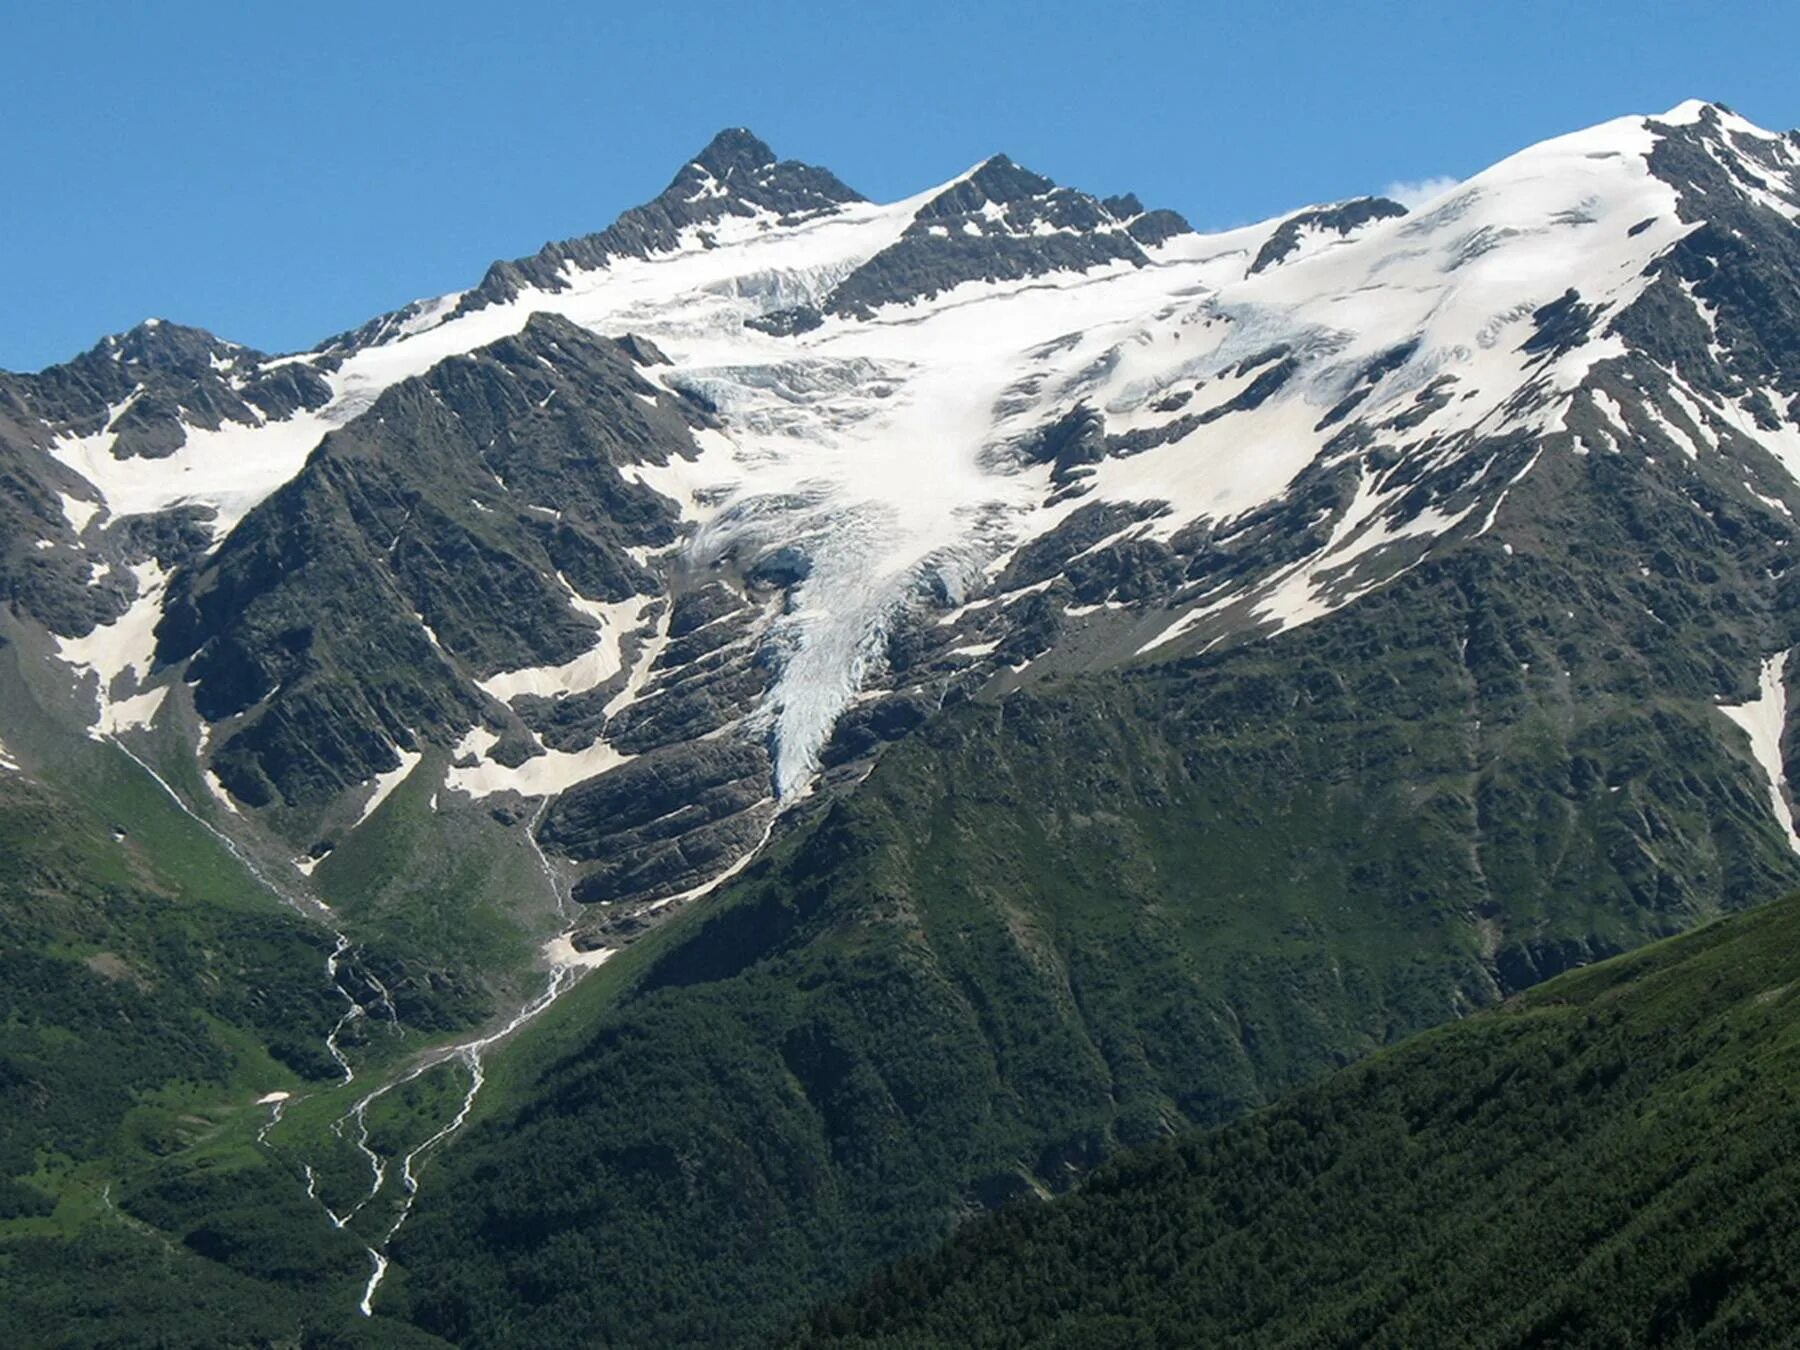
column 672, row 522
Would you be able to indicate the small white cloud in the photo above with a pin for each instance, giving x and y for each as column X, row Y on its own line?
column 1414, row 194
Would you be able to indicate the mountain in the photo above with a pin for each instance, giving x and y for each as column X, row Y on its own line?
column 1018, row 344
column 791, row 721
column 1605, row 1160
column 1094, row 913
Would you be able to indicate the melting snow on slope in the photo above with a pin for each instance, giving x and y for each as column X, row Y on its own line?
column 385, row 783
column 551, row 772
column 562, row 951
column 125, row 647
column 1764, row 719
column 77, row 512
column 215, row 786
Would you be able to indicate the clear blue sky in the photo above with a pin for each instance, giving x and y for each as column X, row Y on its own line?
column 279, row 172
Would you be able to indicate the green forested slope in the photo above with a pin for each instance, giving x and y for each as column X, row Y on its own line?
column 1612, row 1159
column 1099, row 912
column 151, row 989
column 140, row 969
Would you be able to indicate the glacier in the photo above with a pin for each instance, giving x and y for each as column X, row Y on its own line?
column 877, row 449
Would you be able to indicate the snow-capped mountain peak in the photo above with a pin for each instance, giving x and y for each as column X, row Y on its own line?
column 917, row 447
column 735, row 150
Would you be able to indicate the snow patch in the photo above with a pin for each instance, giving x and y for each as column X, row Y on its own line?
column 541, row 776
column 1764, row 719
column 219, row 792
column 230, row 469
column 127, row 714
column 385, row 783
column 561, row 951
column 589, row 670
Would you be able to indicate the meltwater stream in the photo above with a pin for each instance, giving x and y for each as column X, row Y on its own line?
column 313, row 909
column 566, row 967
column 563, row 976
column 564, row 971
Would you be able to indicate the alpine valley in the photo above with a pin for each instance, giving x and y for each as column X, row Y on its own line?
column 612, row 806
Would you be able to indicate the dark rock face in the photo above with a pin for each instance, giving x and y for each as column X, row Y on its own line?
column 173, row 537
column 696, row 795
column 1002, row 223
column 696, row 609
column 459, row 497
column 1131, row 571
column 1343, row 218
column 1047, row 557
column 1523, row 964
column 1561, row 326
column 866, row 727
column 1074, row 441
column 700, row 685
column 787, row 322
column 1258, row 392
column 47, row 584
